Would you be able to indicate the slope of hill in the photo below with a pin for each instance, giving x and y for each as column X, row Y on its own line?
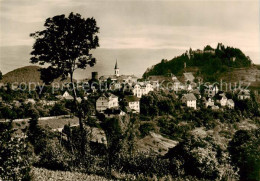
column 25, row 74
column 209, row 63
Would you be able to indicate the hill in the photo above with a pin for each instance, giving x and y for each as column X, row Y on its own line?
column 208, row 63
column 25, row 74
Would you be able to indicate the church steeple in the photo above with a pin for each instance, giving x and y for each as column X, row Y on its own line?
column 116, row 65
column 116, row 69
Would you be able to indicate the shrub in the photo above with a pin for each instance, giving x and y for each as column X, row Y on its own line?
column 55, row 157
column 144, row 164
column 244, row 149
column 58, row 109
column 14, row 155
column 146, row 128
column 201, row 158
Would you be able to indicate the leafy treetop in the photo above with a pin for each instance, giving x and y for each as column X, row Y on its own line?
column 65, row 45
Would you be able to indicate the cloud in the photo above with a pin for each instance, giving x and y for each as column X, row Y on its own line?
column 142, row 24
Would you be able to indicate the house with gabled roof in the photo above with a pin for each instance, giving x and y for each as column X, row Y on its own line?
column 67, row 96
column 133, row 103
column 188, row 77
column 190, row 100
column 244, row 94
column 230, row 104
column 221, row 98
column 141, row 89
column 208, row 101
column 106, row 101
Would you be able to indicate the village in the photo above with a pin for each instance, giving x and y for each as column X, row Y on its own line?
column 190, row 91
column 127, row 98
column 187, row 91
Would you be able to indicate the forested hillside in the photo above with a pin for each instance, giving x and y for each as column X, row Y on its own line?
column 209, row 63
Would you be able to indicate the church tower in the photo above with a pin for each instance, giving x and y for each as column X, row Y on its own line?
column 116, row 70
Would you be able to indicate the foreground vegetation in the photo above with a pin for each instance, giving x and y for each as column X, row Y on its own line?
column 213, row 145
column 44, row 174
column 220, row 144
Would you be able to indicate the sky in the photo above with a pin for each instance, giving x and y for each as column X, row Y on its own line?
column 146, row 31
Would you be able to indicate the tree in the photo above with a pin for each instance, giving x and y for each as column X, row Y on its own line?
column 65, row 46
column 7, row 113
column 1, row 75
column 244, row 149
column 114, row 135
column 208, row 47
column 58, row 109
column 201, row 157
column 37, row 135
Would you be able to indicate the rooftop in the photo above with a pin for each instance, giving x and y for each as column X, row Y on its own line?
column 190, row 97
column 131, row 98
column 188, row 75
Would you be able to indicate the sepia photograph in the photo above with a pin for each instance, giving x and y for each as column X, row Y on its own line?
column 145, row 90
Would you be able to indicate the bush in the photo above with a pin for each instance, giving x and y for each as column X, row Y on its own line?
column 144, row 164
column 55, row 157
column 244, row 149
column 201, row 158
column 14, row 155
column 58, row 109
column 146, row 128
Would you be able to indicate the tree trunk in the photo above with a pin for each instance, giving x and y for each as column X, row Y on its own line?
column 79, row 111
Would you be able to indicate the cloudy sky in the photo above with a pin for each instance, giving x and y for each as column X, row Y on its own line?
column 147, row 26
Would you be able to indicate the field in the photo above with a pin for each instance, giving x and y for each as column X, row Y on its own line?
column 59, row 122
column 53, row 123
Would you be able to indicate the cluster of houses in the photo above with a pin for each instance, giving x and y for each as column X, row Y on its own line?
column 185, row 88
column 212, row 97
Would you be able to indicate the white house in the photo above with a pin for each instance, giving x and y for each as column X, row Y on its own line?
column 209, row 102
column 67, row 96
column 230, row 104
column 133, row 102
column 222, row 99
column 106, row 101
column 32, row 101
column 189, row 87
column 141, row 89
column 215, row 107
column 244, row 94
column 190, row 100
column 48, row 103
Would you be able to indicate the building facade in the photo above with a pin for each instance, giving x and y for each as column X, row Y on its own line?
column 190, row 100
column 142, row 89
column 133, row 103
column 106, row 101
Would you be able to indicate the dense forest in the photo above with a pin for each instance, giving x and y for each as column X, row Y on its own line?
column 209, row 63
